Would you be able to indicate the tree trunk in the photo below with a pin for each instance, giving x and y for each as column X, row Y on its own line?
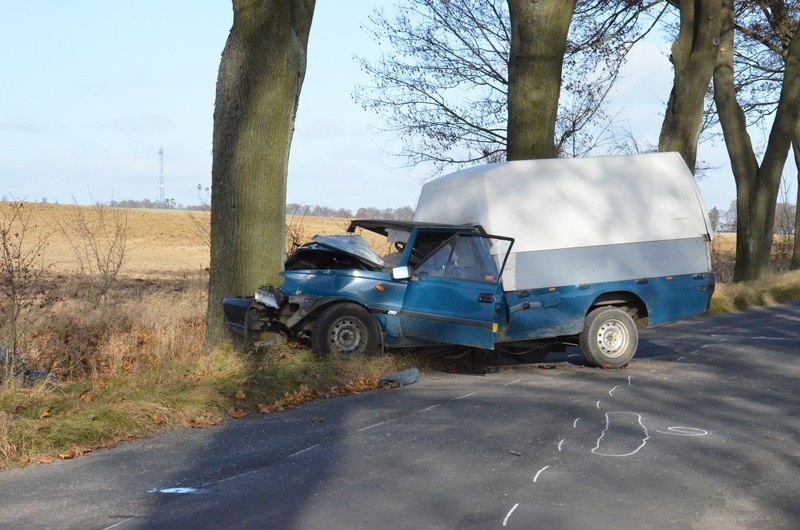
column 693, row 57
column 538, row 43
column 795, row 263
column 260, row 76
column 756, row 186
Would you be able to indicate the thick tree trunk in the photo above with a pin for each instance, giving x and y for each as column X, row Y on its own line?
column 795, row 263
column 538, row 42
column 693, row 57
column 258, row 86
column 756, row 186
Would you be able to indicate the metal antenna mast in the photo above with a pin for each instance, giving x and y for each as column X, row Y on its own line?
column 161, row 176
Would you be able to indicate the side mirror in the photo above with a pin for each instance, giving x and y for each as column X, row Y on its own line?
column 401, row 273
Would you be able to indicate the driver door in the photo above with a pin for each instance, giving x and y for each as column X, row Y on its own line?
column 455, row 295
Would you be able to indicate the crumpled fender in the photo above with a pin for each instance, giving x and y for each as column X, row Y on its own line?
column 244, row 314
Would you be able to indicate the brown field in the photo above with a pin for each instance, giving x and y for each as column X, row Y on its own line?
column 158, row 241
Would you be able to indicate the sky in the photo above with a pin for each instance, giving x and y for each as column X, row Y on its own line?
column 93, row 89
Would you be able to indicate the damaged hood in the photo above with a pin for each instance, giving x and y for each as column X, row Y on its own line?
column 354, row 245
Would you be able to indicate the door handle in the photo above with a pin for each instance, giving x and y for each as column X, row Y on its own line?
column 485, row 298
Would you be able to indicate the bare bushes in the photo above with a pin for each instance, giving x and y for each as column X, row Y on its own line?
column 24, row 286
column 295, row 234
column 97, row 236
column 160, row 322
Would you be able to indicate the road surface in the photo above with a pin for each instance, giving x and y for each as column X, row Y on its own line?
column 701, row 430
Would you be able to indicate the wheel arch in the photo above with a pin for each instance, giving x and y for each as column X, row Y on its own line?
column 306, row 322
column 636, row 307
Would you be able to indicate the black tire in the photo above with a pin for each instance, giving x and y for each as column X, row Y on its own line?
column 346, row 331
column 609, row 337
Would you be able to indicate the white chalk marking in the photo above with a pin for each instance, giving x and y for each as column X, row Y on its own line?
column 679, row 358
column 505, row 521
column 290, row 456
column 598, row 405
column 177, row 491
column 536, row 477
column 429, row 408
column 629, row 380
column 464, row 396
column 685, row 431
column 512, row 382
column 572, row 356
column 561, row 443
column 371, row 426
column 251, row 471
column 575, row 423
column 770, row 338
column 611, row 392
column 121, row 522
column 608, row 424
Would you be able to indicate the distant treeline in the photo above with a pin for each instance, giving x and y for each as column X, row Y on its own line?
column 296, row 210
column 168, row 204
column 396, row 214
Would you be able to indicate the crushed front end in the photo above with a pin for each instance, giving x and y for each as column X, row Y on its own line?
column 262, row 312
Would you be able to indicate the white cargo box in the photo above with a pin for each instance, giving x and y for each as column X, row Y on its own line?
column 581, row 220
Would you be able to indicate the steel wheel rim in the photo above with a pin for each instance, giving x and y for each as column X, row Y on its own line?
column 346, row 336
column 613, row 338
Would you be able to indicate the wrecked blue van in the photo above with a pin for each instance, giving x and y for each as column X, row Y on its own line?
column 525, row 257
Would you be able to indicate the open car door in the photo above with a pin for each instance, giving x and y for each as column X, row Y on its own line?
column 454, row 295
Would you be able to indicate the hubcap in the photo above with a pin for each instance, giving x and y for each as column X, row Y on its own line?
column 613, row 338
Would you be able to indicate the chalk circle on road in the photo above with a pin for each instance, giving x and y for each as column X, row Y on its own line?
column 684, row 431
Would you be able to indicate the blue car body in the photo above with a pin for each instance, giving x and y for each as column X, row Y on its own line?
column 457, row 300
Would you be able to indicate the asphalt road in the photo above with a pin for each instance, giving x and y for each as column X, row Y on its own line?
column 701, row 430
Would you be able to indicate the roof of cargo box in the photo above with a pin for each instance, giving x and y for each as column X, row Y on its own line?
column 562, row 203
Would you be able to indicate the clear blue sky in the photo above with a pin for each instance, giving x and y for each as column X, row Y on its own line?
column 92, row 89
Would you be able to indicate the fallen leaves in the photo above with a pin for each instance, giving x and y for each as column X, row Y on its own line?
column 234, row 412
column 205, row 420
column 195, row 376
column 44, row 413
column 290, row 399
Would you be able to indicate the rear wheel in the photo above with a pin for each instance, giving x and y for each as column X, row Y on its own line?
column 346, row 331
column 609, row 337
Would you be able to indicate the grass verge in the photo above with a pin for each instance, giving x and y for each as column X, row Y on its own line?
column 777, row 288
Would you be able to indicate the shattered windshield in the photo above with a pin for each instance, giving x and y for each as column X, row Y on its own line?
column 354, row 245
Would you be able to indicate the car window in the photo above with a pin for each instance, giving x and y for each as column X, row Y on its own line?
column 460, row 257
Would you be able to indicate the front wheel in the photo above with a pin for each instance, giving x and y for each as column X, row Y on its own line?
column 346, row 331
column 609, row 337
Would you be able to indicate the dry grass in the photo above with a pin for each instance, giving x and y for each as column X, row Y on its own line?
column 779, row 287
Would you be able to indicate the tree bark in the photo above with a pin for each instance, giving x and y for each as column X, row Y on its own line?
column 795, row 263
column 538, row 43
column 258, row 86
column 756, row 185
column 693, row 57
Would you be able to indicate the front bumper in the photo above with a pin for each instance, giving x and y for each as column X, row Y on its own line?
column 245, row 314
